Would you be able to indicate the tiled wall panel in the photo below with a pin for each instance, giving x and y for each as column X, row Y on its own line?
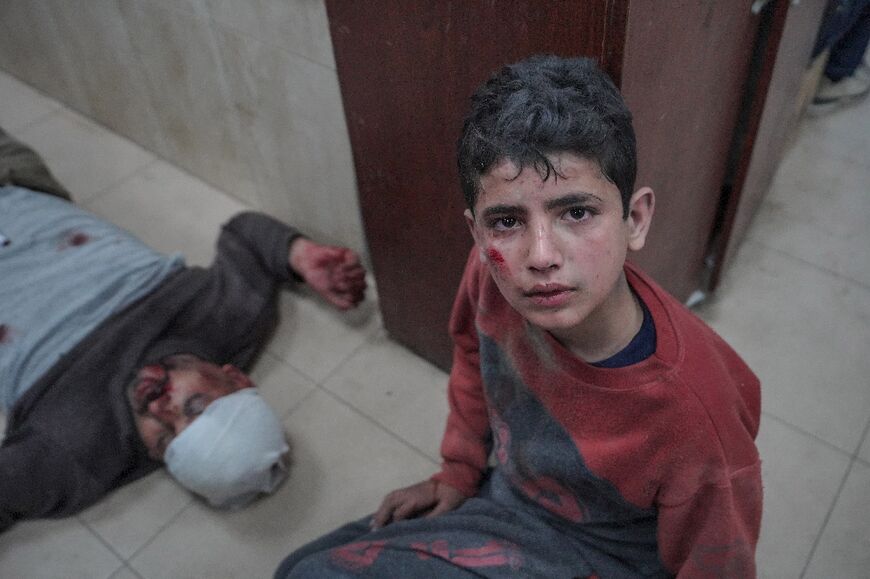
column 243, row 95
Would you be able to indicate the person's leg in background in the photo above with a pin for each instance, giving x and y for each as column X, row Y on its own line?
column 845, row 31
column 22, row 166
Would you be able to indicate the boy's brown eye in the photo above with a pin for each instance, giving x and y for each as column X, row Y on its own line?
column 505, row 223
column 577, row 213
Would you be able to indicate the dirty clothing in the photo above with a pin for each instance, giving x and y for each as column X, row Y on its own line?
column 71, row 437
column 644, row 470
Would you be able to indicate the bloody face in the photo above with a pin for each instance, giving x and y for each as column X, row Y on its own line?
column 168, row 396
column 556, row 247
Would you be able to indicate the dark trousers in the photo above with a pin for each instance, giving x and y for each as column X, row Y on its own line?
column 846, row 31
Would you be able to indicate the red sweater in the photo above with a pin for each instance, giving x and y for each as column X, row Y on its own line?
column 670, row 438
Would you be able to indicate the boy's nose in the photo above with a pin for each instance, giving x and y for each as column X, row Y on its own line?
column 544, row 253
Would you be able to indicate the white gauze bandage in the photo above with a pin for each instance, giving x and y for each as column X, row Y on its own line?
column 234, row 451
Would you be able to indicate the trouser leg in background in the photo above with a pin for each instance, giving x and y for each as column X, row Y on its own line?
column 846, row 31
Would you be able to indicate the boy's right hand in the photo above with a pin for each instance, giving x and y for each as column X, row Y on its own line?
column 429, row 497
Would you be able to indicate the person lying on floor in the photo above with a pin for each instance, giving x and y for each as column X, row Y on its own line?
column 115, row 359
column 620, row 426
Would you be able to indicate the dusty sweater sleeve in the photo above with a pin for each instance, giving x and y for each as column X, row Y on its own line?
column 254, row 239
column 234, row 308
column 467, row 437
column 38, row 479
column 715, row 531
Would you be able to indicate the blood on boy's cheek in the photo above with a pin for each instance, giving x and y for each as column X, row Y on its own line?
column 497, row 259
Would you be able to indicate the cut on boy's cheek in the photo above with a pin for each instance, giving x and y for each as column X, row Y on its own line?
column 497, row 260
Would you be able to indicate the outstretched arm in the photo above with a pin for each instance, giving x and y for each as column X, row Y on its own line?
column 334, row 273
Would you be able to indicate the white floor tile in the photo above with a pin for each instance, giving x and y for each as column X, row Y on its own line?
column 83, row 156
column 128, row 518
column 844, row 549
column 169, row 210
column 280, row 384
column 805, row 333
column 801, row 476
column 828, row 193
column 833, row 251
column 54, row 549
column 21, row 105
column 402, row 392
column 844, row 134
column 343, row 465
column 818, row 210
column 315, row 338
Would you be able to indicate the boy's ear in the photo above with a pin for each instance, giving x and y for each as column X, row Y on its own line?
column 641, row 207
column 239, row 378
column 469, row 220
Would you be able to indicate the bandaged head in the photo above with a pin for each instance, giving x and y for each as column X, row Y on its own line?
column 233, row 452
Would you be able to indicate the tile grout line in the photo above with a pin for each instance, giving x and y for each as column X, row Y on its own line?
column 380, row 426
column 815, row 437
column 826, row 520
column 855, row 455
column 310, row 384
column 244, row 35
column 810, row 264
column 155, row 157
column 127, row 567
column 36, row 121
column 302, row 401
column 160, row 529
column 854, row 458
column 369, row 337
column 329, row 374
column 102, row 193
column 100, row 538
column 89, row 120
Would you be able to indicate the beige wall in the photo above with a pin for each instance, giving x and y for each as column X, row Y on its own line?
column 241, row 93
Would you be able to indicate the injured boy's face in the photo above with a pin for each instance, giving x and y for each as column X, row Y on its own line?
column 556, row 249
column 166, row 398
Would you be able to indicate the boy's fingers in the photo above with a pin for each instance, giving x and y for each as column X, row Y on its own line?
column 350, row 257
column 383, row 514
column 403, row 511
column 442, row 507
column 357, row 273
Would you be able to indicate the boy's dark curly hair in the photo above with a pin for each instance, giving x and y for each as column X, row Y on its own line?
column 546, row 105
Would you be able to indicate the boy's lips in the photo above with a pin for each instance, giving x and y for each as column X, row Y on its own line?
column 549, row 295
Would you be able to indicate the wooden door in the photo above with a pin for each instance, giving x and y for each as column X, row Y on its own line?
column 407, row 70
column 684, row 73
column 771, row 117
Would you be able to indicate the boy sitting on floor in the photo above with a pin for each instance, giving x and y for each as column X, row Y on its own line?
column 622, row 426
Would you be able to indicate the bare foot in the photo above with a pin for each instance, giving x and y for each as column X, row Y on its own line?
column 333, row 272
